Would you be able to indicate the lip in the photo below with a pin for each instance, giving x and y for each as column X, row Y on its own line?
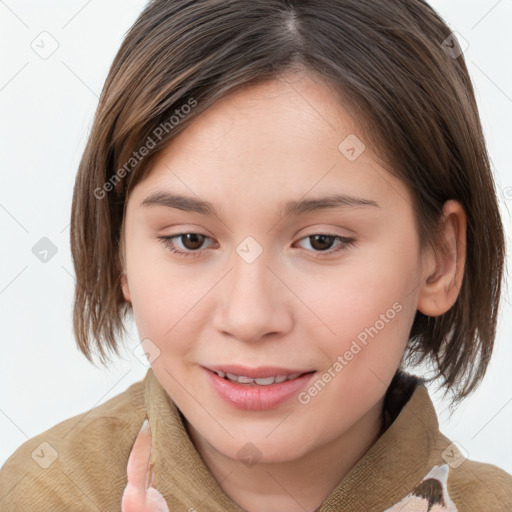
column 256, row 373
column 256, row 398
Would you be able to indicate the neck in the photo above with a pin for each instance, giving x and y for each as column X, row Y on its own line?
column 294, row 485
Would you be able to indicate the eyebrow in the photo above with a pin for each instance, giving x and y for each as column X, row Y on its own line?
column 191, row 204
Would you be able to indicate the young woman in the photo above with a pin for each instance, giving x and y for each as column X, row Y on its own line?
column 294, row 200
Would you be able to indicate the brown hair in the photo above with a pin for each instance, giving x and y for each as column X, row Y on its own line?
column 394, row 62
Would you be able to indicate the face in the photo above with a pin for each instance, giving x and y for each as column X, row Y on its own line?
column 325, row 287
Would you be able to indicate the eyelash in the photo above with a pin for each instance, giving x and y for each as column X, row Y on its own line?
column 167, row 242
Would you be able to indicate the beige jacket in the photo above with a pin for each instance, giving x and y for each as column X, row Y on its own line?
column 80, row 463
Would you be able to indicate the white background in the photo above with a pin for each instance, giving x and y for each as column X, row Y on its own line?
column 47, row 106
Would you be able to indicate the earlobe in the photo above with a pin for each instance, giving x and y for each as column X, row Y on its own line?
column 445, row 268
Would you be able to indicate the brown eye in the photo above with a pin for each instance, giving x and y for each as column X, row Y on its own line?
column 192, row 241
column 190, row 244
column 323, row 242
column 184, row 244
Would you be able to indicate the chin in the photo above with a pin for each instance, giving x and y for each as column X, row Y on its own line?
column 262, row 452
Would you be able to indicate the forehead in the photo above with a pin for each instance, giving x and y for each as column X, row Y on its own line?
column 283, row 137
column 279, row 113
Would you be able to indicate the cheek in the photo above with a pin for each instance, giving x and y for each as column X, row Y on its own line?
column 168, row 299
column 366, row 309
column 355, row 294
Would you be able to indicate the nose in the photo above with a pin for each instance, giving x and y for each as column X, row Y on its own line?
column 253, row 302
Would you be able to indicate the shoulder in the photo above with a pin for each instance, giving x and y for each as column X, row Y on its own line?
column 480, row 486
column 472, row 484
column 449, row 480
column 80, row 461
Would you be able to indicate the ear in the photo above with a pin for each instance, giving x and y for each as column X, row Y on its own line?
column 123, row 279
column 444, row 267
column 125, row 288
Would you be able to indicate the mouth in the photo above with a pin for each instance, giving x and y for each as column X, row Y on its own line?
column 264, row 381
column 263, row 376
column 257, row 393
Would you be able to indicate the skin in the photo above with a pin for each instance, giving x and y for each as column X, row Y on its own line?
column 295, row 306
column 139, row 496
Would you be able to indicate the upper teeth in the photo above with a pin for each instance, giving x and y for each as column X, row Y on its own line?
column 266, row 381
